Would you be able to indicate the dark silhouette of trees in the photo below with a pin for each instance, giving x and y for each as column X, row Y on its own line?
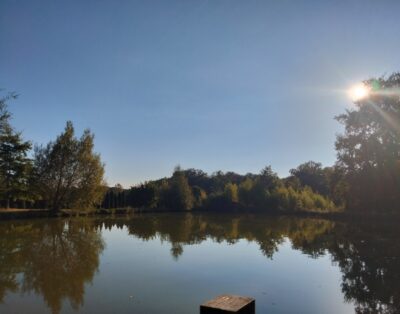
column 144, row 195
column 368, row 256
column 369, row 149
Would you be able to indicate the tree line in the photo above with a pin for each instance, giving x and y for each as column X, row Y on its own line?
column 67, row 173
column 194, row 189
column 365, row 177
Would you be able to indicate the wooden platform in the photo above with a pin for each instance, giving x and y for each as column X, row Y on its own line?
column 229, row 304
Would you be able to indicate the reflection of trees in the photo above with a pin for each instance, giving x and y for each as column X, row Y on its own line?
column 187, row 229
column 369, row 257
column 56, row 258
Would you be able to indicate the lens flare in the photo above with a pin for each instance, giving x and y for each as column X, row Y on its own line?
column 359, row 92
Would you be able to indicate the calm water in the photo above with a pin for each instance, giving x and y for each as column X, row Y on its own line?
column 171, row 263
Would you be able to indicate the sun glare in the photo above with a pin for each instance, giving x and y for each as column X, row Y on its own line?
column 358, row 92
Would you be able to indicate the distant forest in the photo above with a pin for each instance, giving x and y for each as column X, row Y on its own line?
column 68, row 174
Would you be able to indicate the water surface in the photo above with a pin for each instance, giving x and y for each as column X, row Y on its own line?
column 171, row 263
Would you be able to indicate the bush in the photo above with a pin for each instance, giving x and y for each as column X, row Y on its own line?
column 303, row 199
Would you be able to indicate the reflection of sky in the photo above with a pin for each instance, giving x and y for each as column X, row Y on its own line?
column 167, row 82
column 289, row 283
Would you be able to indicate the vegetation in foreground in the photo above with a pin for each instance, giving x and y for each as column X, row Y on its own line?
column 68, row 174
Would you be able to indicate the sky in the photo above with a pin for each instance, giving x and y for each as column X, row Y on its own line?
column 216, row 85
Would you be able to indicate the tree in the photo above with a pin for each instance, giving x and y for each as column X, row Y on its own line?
column 199, row 195
column 244, row 192
column 261, row 190
column 4, row 113
column 178, row 195
column 143, row 195
column 14, row 165
column 313, row 175
column 369, row 149
column 231, row 192
column 68, row 174
column 269, row 178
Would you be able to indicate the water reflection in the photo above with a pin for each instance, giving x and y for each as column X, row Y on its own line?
column 269, row 233
column 56, row 258
column 369, row 258
column 368, row 253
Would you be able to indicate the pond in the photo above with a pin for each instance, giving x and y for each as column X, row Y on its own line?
column 171, row 263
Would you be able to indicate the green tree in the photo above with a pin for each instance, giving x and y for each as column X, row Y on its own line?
column 14, row 165
column 178, row 195
column 4, row 113
column 244, row 192
column 265, row 183
column 313, row 175
column 369, row 149
column 68, row 174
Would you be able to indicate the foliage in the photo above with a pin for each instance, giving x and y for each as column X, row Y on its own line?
column 313, row 175
column 244, row 192
column 15, row 166
column 143, row 195
column 263, row 192
column 304, row 199
column 178, row 194
column 68, row 174
column 199, row 196
column 369, row 149
column 231, row 192
column 366, row 176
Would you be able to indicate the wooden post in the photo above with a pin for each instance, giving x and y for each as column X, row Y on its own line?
column 229, row 304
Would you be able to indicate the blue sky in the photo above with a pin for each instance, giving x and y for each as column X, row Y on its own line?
column 230, row 85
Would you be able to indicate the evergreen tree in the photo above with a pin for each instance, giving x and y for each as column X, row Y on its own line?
column 14, row 165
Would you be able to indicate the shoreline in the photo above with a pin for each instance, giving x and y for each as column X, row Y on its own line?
column 14, row 214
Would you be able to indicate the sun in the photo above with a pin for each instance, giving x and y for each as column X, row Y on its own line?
column 359, row 92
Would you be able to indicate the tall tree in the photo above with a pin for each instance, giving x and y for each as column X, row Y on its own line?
column 68, row 174
column 4, row 113
column 178, row 195
column 369, row 149
column 14, row 164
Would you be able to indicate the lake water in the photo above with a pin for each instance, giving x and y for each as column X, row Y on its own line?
column 171, row 263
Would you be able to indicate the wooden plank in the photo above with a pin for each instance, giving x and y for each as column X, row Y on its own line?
column 229, row 304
